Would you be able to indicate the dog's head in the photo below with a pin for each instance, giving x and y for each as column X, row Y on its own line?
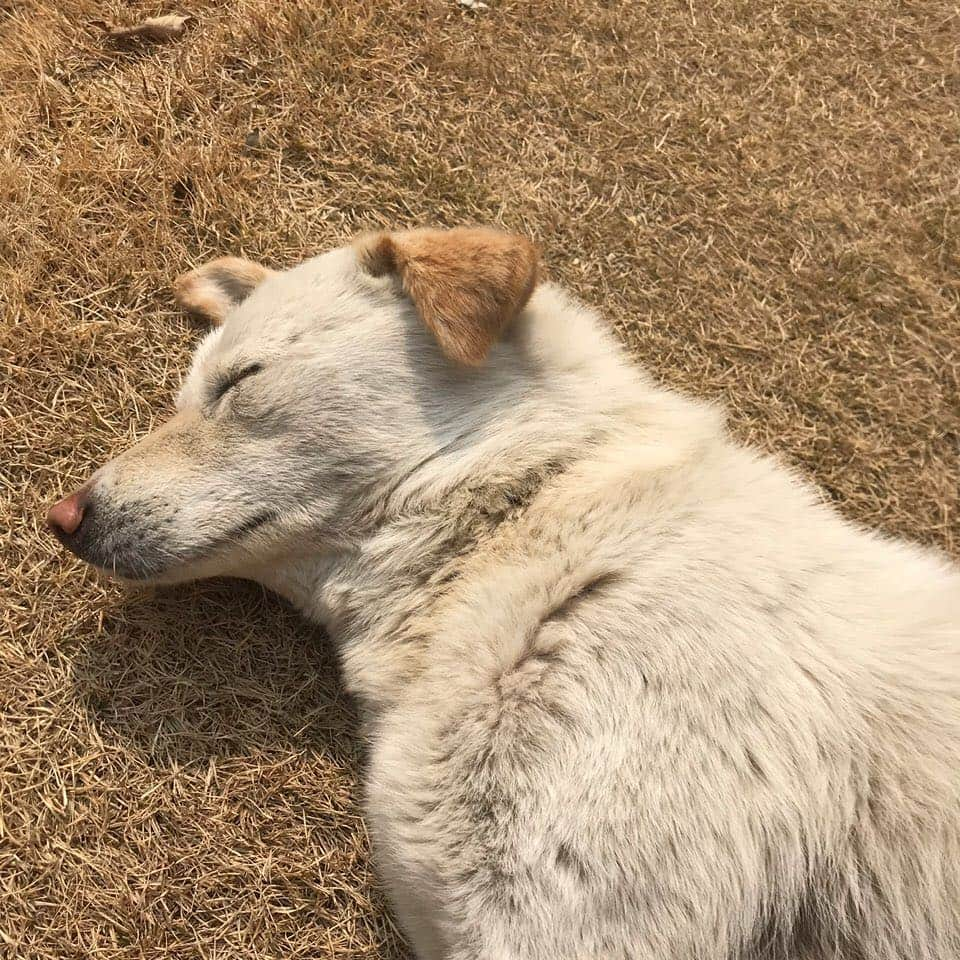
column 318, row 385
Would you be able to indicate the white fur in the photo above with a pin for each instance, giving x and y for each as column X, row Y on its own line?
column 631, row 690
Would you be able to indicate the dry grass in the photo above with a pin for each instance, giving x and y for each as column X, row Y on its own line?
column 761, row 194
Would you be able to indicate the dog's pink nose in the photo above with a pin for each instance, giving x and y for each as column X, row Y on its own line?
column 66, row 515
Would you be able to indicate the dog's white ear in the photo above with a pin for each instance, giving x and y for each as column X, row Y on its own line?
column 467, row 284
column 214, row 289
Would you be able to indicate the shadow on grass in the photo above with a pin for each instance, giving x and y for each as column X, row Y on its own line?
column 222, row 682
column 214, row 670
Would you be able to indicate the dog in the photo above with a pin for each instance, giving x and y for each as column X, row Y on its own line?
column 631, row 689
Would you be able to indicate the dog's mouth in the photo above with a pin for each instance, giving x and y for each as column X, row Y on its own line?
column 109, row 539
column 240, row 531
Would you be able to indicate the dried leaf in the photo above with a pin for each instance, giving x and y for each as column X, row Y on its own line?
column 154, row 30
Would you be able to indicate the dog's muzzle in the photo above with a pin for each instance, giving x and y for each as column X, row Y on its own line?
column 102, row 534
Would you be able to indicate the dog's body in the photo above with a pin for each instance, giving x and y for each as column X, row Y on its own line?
column 631, row 690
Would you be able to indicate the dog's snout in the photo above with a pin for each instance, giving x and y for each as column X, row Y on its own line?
column 66, row 515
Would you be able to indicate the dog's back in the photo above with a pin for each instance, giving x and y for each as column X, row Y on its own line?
column 682, row 712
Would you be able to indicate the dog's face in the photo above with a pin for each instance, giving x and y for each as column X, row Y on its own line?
column 312, row 391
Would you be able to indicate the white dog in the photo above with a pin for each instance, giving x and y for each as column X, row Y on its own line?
column 633, row 691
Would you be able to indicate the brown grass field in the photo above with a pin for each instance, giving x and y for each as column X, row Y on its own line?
column 761, row 195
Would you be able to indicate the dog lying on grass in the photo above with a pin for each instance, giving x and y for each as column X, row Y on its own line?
column 632, row 690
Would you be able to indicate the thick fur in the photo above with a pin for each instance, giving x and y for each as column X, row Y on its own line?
column 632, row 691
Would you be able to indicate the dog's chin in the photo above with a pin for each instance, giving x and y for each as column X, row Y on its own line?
column 133, row 575
column 162, row 565
column 131, row 565
column 138, row 570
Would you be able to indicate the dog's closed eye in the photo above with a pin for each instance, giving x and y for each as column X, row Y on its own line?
column 226, row 384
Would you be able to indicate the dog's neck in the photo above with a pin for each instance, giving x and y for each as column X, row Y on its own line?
column 374, row 596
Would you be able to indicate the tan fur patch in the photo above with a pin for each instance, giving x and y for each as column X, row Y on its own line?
column 467, row 283
column 212, row 290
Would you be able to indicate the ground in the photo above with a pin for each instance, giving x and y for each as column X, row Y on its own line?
column 760, row 195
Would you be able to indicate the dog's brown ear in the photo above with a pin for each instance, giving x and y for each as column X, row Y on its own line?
column 467, row 284
column 212, row 290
